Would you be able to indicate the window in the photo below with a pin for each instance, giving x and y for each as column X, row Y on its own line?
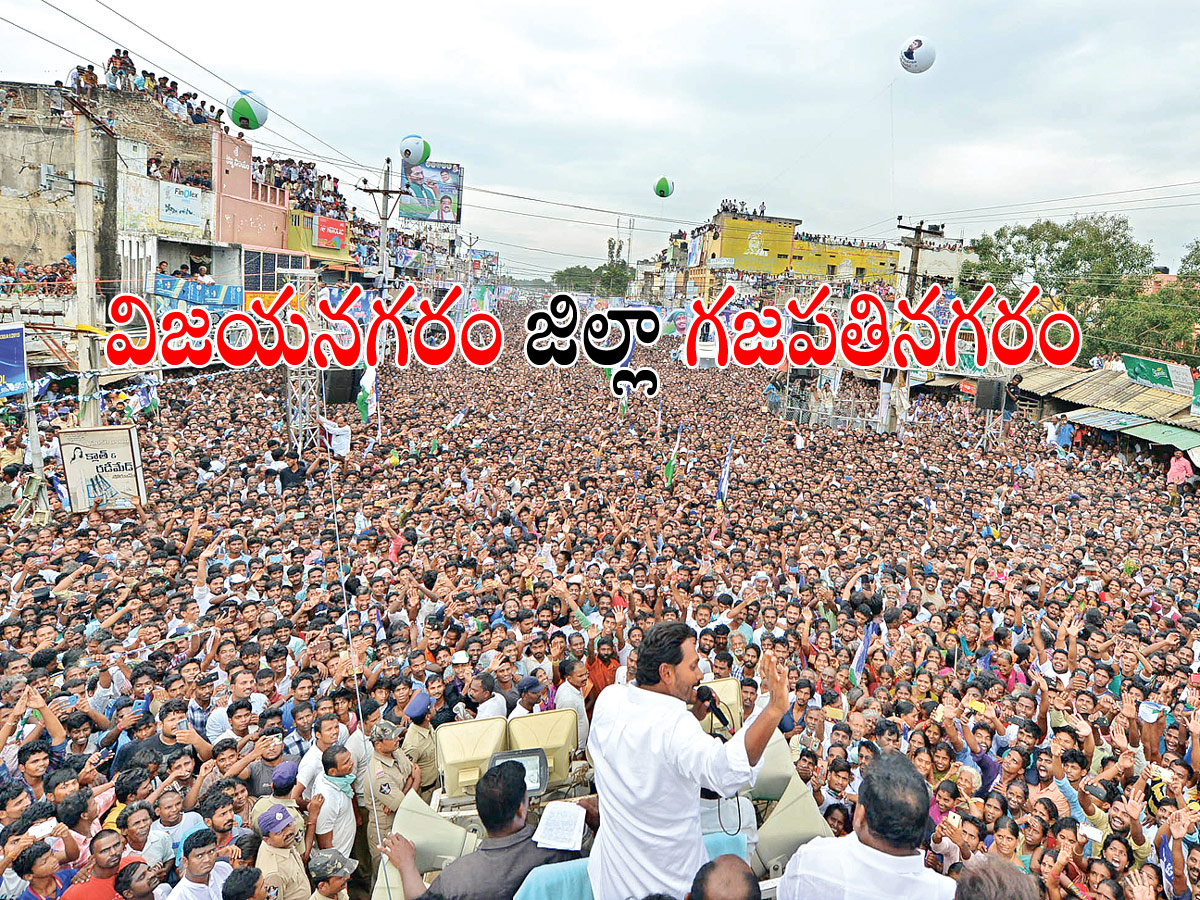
column 860, row 272
column 831, row 271
column 259, row 270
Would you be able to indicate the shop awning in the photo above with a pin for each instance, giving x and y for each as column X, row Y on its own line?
column 1106, row 419
column 944, row 381
column 1157, row 433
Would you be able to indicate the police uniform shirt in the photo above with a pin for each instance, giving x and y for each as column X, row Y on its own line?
column 283, row 871
column 387, row 779
column 420, row 748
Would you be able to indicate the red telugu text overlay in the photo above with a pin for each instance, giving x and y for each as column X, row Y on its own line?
column 865, row 340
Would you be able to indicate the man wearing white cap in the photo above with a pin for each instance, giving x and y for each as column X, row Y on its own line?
column 460, row 681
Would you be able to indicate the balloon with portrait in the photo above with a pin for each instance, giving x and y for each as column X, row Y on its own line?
column 917, row 56
column 414, row 150
column 664, row 187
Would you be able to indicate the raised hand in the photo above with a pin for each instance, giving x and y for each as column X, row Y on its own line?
column 1139, row 886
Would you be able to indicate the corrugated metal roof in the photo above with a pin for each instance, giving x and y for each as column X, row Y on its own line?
column 944, row 381
column 1186, row 420
column 1095, row 417
column 1044, row 380
column 1166, row 434
column 1113, row 390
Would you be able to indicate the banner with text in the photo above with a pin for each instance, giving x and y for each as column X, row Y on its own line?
column 329, row 233
column 434, row 192
column 102, row 464
column 1155, row 373
column 180, row 203
column 13, row 374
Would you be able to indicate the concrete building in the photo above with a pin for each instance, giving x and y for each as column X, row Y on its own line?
column 37, row 190
column 226, row 222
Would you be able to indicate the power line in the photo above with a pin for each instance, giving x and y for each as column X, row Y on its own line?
column 173, row 46
column 1061, row 199
column 1058, row 211
column 609, row 225
column 41, row 37
column 543, row 250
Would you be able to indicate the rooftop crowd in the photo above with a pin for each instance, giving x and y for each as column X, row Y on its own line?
column 208, row 693
column 52, row 279
column 120, row 73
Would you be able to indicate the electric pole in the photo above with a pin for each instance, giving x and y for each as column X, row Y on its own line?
column 919, row 231
column 471, row 240
column 382, row 198
column 87, row 318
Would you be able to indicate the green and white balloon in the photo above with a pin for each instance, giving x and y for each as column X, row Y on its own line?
column 246, row 110
column 414, row 150
column 664, row 187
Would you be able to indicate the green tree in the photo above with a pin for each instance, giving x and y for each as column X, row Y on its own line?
column 610, row 279
column 1085, row 266
column 1130, row 320
column 613, row 278
column 1098, row 249
column 1189, row 265
column 575, row 278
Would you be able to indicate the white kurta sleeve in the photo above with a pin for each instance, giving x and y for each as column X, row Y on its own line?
column 724, row 768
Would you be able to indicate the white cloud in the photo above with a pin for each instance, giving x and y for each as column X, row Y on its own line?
column 792, row 104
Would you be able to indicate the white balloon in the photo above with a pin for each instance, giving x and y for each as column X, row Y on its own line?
column 917, row 56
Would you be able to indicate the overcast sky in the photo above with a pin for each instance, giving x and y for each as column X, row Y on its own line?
column 795, row 106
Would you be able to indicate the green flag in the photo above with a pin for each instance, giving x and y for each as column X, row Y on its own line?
column 669, row 468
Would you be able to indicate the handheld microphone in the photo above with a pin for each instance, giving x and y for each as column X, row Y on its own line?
column 706, row 696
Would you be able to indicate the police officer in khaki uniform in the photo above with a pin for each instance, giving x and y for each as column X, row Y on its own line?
column 278, row 859
column 418, row 743
column 390, row 776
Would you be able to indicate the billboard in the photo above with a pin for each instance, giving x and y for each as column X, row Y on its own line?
column 102, row 464
column 434, row 192
column 1166, row 376
column 756, row 245
column 329, row 233
column 301, row 234
column 181, row 204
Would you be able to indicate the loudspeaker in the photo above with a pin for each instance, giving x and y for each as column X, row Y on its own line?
column 989, row 395
column 340, row 385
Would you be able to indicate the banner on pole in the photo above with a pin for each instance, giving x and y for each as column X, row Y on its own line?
column 12, row 360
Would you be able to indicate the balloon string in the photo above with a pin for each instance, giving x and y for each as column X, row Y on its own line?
column 892, row 116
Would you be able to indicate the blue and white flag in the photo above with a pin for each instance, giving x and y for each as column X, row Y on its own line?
column 60, row 489
column 871, row 632
column 723, row 484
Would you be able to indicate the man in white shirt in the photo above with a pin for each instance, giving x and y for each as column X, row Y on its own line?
column 325, row 735
column 652, row 758
column 335, row 785
column 530, row 691
column 203, row 873
column 882, row 860
column 570, row 695
column 242, row 688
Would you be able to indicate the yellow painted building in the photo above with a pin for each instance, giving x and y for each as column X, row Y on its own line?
column 812, row 260
column 767, row 245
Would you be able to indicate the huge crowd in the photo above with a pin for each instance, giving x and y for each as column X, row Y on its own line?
column 228, row 688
